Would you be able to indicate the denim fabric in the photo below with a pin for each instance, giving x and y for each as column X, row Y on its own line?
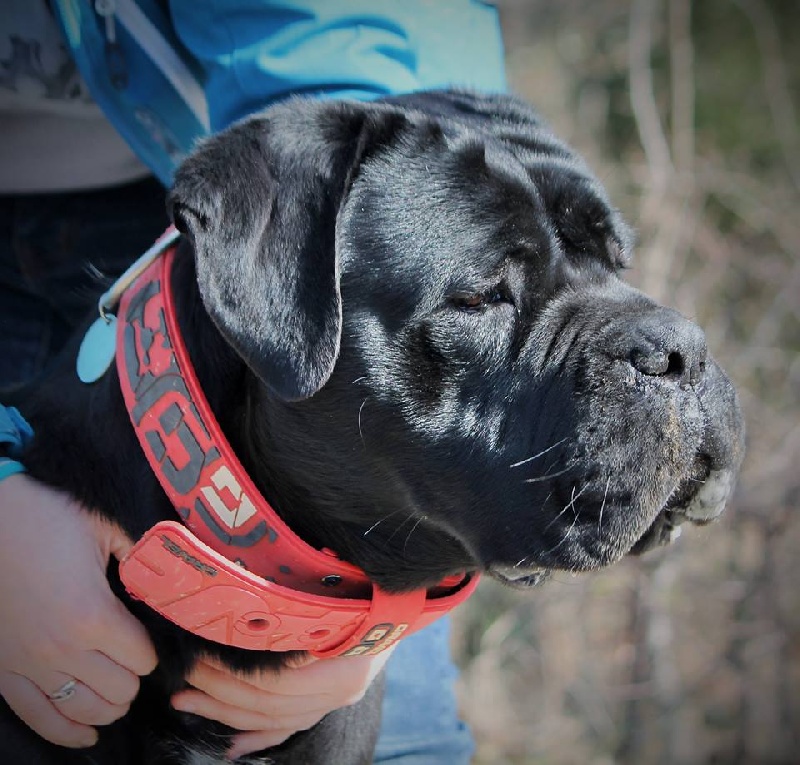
column 58, row 253
column 420, row 723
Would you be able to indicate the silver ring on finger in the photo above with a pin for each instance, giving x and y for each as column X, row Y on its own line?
column 65, row 692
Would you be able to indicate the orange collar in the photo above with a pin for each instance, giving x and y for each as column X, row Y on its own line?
column 235, row 573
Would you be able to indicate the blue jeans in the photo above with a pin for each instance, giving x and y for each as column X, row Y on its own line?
column 58, row 252
column 420, row 719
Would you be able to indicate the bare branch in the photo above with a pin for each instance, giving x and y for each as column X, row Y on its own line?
column 776, row 83
column 643, row 102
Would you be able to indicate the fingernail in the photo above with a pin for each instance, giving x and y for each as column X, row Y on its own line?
column 183, row 706
column 296, row 662
column 90, row 739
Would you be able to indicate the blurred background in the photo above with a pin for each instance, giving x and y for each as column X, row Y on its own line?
column 688, row 114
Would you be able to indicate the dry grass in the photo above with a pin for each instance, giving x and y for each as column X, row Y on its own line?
column 691, row 655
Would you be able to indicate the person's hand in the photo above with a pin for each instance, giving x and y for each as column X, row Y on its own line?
column 272, row 706
column 59, row 620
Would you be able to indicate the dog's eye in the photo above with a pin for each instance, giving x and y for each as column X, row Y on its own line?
column 478, row 301
column 470, row 302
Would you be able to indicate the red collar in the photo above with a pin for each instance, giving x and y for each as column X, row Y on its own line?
column 236, row 573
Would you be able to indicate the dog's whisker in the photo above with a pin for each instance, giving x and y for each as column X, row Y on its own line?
column 602, row 507
column 536, row 456
column 401, row 524
column 556, row 518
column 542, row 506
column 358, row 379
column 413, row 529
column 379, row 522
column 575, row 496
column 566, row 534
column 360, row 433
column 546, row 477
column 570, row 504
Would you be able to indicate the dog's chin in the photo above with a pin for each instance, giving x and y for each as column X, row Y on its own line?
column 519, row 578
column 664, row 530
column 698, row 499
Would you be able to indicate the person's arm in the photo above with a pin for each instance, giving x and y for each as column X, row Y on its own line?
column 270, row 707
column 60, row 621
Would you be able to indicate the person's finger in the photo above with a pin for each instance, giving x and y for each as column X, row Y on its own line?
column 83, row 705
column 111, row 538
column 105, row 677
column 115, row 684
column 123, row 638
column 300, row 660
column 39, row 714
column 126, row 641
column 246, row 719
column 235, row 691
column 340, row 677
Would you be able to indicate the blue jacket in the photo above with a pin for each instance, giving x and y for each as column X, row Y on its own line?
column 166, row 72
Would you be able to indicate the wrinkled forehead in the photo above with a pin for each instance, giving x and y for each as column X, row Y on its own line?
column 453, row 210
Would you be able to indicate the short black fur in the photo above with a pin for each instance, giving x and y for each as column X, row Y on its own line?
column 409, row 320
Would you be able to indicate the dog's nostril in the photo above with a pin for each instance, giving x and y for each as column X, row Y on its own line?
column 675, row 365
column 654, row 363
column 664, row 344
column 659, row 363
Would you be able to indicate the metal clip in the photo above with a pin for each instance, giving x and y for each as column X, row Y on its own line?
column 109, row 299
column 117, row 68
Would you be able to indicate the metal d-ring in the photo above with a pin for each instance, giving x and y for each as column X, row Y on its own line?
column 109, row 299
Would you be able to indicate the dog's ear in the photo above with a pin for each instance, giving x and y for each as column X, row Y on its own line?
column 259, row 203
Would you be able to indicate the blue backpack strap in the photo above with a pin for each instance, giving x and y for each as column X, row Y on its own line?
column 139, row 74
column 15, row 433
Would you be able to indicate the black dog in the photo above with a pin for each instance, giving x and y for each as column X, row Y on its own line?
column 409, row 320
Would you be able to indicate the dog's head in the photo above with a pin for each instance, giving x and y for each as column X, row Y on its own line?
column 451, row 373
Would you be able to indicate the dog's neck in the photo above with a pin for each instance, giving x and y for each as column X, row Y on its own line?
column 229, row 386
column 237, row 399
column 251, row 419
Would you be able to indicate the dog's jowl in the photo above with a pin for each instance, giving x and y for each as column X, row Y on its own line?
column 409, row 321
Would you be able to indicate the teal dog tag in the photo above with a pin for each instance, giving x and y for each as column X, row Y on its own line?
column 97, row 349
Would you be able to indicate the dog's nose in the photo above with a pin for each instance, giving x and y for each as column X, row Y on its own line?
column 665, row 344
